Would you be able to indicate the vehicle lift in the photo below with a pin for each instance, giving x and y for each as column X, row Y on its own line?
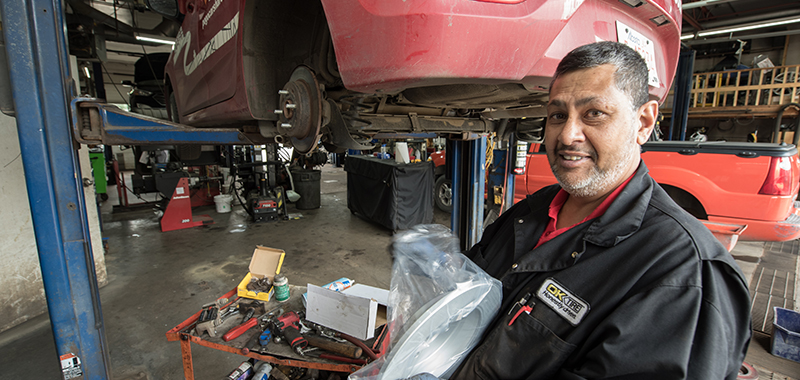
column 51, row 120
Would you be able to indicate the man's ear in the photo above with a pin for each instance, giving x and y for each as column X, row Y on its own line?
column 648, row 114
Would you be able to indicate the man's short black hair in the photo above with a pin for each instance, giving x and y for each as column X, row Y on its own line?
column 631, row 76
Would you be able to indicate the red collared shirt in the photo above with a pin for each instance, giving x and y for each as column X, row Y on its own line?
column 558, row 202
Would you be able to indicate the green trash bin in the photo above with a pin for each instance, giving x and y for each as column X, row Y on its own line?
column 306, row 183
column 98, row 161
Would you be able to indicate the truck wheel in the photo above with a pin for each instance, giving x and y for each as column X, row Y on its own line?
column 443, row 194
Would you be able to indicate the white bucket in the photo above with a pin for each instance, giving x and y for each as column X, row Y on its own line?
column 223, row 203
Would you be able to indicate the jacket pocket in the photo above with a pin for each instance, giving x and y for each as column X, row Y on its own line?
column 525, row 350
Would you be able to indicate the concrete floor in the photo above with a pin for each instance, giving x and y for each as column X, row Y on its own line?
column 157, row 280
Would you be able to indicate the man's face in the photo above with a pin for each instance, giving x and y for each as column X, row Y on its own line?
column 593, row 134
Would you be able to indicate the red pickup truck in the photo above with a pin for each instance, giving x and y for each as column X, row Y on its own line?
column 753, row 184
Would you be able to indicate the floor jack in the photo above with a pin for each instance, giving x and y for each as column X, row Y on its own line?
column 178, row 214
column 267, row 205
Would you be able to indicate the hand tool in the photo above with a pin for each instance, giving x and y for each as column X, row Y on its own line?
column 265, row 337
column 239, row 330
column 368, row 351
column 288, row 325
column 251, row 345
column 344, row 349
column 338, row 358
column 210, row 326
column 523, row 305
column 249, row 313
column 247, row 324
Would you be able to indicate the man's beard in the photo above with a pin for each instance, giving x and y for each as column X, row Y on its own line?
column 598, row 179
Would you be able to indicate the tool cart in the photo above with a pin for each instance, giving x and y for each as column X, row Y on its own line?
column 244, row 334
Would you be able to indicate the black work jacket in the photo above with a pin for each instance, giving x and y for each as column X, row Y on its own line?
column 644, row 291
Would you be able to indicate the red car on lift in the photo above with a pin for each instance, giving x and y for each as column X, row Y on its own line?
column 341, row 71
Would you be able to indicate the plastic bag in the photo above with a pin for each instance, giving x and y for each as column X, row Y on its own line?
column 440, row 303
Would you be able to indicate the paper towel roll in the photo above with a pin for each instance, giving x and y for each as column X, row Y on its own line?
column 401, row 153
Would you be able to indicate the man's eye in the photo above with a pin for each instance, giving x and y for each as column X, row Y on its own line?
column 595, row 113
column 557, row 117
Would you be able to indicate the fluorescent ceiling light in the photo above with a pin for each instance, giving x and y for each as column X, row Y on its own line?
column 698, row 4
column 156, row 40
column 86, row 71
column 687, row 36
column 740, row 28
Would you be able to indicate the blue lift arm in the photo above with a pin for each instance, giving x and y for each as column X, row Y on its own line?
column 38, row 61
column 97, row 123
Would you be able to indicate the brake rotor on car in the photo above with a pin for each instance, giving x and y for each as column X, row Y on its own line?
column 301, row 103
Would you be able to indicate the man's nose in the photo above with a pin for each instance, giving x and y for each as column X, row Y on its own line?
column 571, row 132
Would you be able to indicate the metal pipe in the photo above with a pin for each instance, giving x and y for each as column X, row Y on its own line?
column 698, row 4
column 753, row 18
column 747, row 37
column 777, row 131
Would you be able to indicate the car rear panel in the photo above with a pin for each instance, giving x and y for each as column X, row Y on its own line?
column 387, row 46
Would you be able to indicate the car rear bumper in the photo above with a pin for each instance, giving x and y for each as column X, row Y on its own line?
column 396, row 45
column 760, row 230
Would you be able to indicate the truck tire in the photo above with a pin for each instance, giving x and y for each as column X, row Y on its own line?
column 443, row 194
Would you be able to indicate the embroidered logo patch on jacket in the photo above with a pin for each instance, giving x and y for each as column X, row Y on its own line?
column 562, row 301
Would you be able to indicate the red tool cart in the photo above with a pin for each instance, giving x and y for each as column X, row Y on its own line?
column 273, row 353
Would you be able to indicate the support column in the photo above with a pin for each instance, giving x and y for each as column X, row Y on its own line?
column 680, row 101
column 35, row 41
column 469, row 181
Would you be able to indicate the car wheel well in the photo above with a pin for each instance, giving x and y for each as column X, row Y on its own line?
column 686, row 201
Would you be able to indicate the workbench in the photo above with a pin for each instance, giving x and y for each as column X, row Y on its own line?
column 274, row 353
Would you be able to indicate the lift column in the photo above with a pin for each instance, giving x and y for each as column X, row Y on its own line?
column 469, row 181
column 38, row 60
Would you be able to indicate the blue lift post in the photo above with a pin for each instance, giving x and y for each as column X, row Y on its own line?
column 510, row 180
column 468, row 174
column 38, row 60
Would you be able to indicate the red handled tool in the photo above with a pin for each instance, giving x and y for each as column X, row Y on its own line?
column 293, row 337
column 523, row 306
column 239, row 330
column 288, row 325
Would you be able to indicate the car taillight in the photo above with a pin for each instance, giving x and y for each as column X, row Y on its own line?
column 779, row 177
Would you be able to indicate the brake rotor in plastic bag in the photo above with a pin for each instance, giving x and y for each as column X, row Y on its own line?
column 440, row 303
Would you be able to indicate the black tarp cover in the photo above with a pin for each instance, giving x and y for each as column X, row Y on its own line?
column 394, row 195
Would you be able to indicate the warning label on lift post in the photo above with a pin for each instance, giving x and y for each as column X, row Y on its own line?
column 71, row 367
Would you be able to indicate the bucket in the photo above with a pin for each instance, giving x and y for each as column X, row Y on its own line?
column 223, row 203
column 306, row 184
column 786, row 334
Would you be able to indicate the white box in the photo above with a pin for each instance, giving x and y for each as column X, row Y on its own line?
column 355, row 311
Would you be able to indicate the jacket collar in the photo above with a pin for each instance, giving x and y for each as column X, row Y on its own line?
column 624, row 217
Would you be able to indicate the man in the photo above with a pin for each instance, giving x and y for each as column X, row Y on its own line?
column 604, row 276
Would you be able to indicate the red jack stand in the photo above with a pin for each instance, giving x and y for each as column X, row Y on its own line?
column 179, row 210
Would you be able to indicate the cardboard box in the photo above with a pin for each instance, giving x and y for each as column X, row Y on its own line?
column 355, row 311
column 266, row 262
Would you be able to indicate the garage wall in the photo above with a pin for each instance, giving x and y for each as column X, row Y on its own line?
column 23, row 294
column 20, row 278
